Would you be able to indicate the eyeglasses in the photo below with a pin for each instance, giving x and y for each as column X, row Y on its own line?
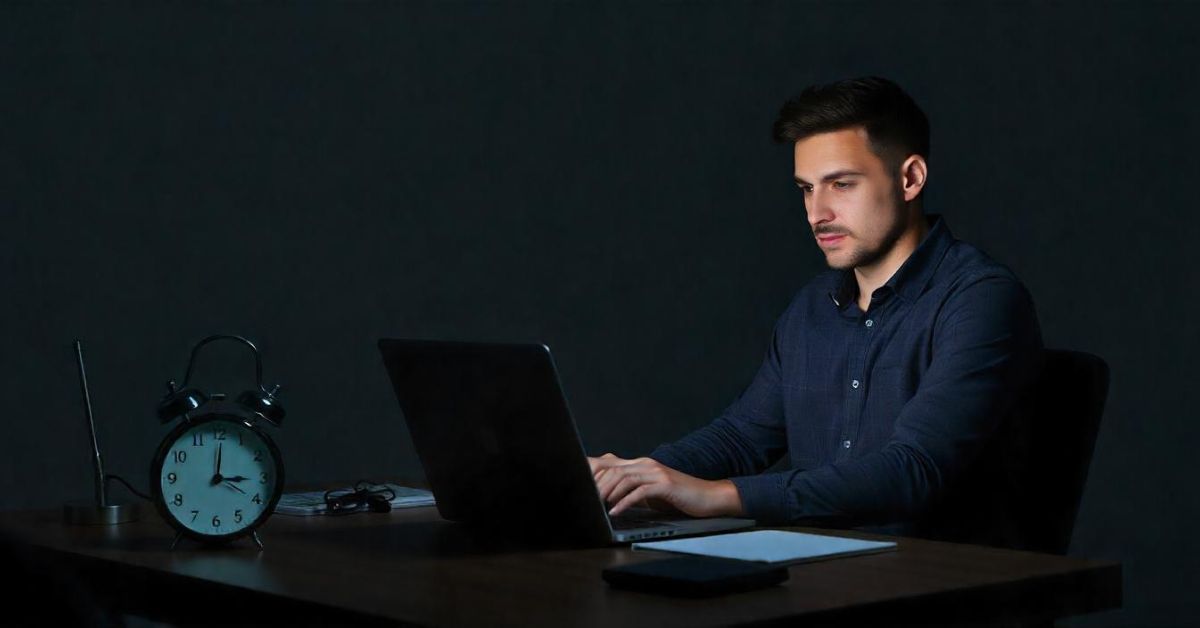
column 366, row 495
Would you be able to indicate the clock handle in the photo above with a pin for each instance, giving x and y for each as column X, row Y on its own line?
column 196, row 350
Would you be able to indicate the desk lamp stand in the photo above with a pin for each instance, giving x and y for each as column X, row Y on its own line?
column 102, row 512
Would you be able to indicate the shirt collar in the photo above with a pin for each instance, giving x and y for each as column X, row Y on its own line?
column 910, row 279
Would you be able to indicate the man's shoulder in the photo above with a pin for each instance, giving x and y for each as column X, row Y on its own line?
column 965, row 265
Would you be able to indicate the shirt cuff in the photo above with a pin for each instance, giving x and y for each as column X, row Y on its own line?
column 764, row 498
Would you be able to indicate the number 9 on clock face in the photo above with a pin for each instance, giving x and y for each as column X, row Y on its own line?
column 218, row 477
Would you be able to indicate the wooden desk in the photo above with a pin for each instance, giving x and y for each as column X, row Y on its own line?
column 410, row 567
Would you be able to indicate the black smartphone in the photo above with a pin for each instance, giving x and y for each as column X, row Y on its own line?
column 695, row 576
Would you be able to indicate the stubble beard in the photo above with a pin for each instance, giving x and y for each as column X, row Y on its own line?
column 861, row 256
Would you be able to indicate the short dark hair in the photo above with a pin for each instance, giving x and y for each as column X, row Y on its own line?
column 896, row 126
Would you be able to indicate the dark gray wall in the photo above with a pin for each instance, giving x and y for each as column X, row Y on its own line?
column 599, row 179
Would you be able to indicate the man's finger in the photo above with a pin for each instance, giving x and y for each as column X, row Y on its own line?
column 604, row 481
column 622, row 488
column 607, row 461
column 614, row 475
column 635, row 496
column 610, row 479
column 615, row 479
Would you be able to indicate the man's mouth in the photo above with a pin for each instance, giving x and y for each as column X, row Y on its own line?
column 830, row 239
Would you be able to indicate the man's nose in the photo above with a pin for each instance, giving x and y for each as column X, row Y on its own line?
column 817, row 209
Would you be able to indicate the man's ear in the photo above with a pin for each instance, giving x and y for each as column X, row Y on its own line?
column 913, row 173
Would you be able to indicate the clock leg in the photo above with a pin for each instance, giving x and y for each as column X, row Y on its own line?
column 257, row 541
column 178, row 535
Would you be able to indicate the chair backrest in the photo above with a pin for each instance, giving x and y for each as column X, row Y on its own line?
column 1023, row 491
column 1057, row 435
column 1066, row 405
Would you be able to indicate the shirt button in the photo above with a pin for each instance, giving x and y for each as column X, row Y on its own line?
column 870, row 322
column 846, row 444
column 854, row 384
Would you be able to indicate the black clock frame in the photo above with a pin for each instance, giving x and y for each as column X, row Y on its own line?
column 160, row 457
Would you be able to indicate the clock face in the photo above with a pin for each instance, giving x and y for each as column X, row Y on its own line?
column 218, row 477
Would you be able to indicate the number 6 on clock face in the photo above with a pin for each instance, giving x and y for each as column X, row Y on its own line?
column 218, row 477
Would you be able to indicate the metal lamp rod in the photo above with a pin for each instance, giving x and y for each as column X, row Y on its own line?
column 101, row 498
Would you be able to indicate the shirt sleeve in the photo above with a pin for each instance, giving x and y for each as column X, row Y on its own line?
column 746, row 438
column 986, row 345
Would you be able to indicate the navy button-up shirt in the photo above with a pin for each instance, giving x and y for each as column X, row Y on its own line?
column 879, row 411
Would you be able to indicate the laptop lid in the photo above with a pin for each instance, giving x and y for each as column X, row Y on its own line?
column 493, row 432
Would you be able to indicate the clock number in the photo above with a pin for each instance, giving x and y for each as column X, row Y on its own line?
column 198, row 439
column 257, row 499
column 237, row 516
column 258, row 455
column 216, row 522
column 263, row 477
column 171, row 478
column 195, row 513
column 219, row 434
column 180, row 456
column 178, row 499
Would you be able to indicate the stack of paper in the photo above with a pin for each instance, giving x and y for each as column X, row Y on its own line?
column 313, row 503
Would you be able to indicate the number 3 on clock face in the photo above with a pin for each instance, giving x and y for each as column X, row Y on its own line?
column 218, row 477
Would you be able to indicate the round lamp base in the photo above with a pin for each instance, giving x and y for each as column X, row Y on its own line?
column 89, row 514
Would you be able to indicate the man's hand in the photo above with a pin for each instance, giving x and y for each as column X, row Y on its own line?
column 627, row 482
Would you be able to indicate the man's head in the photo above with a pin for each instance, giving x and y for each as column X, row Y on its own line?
column 861, row 148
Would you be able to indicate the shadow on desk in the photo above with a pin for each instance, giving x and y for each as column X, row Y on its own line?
column 427, row 539
column 39, row 593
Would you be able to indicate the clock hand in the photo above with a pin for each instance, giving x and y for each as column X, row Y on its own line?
column 216, row 478
column 236, row 478
column 235, row 487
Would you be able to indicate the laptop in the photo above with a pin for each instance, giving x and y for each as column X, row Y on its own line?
column 492, row 429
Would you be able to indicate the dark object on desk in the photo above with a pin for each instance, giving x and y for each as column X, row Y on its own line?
column 1024, row 490
column 693, row 576
column 366, row 495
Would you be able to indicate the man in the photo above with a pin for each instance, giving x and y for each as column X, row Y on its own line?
column 887, row 376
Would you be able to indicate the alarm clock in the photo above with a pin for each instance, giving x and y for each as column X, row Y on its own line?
column 217, row 475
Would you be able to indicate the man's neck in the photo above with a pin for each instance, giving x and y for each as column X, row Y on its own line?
column 871, row 277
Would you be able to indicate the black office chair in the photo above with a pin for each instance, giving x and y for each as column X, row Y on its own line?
column 1024, row 490
column 1062, row 418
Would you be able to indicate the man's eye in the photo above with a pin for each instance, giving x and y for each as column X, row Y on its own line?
column 841, row 185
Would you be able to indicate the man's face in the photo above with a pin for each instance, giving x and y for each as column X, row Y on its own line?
column 854, row 205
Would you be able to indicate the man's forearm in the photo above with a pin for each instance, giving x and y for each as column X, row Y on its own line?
column 720, row 450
